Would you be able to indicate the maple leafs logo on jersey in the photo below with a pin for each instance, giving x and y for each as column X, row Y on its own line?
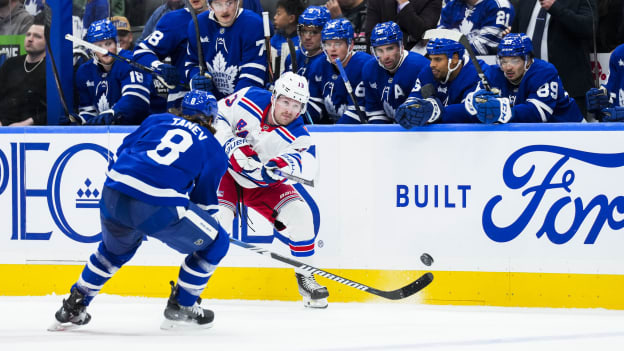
column 466, row 26
column 388, row 109
column 223, row 76
column 101, row 90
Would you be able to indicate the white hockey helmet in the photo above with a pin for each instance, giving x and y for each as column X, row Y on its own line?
column 293, row 86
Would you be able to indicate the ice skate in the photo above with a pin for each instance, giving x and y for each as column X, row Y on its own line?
column 314, row 295
column 179, row 317
column 72, row 314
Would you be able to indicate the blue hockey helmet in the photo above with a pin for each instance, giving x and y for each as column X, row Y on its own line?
column 101, row 30
column 515, row 44
column 339, row 28
column 443, row 46
column 386, row 33
column 199, row 102
column 314, row 16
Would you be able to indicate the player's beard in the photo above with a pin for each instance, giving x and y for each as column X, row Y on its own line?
column 34, row 53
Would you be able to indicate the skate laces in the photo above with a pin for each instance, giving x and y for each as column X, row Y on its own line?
column 309, row 282
column 195, row 310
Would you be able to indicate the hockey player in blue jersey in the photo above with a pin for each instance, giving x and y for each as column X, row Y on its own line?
column 389, row 79
column 311, row 23
column 169, row 40
column 262, row 132
column 440, row 90
column 233, row 48
column 111, row 91
column 607, row 102
column 524, row 88
column 163, row 185
column 329, row 101
column 483, row 22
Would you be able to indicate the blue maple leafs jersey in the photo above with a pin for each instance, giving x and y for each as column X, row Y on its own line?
column 483, row 23
column 125, row 90
column 540, row 97
column 235, row 56
column 169, row 39
column 169, row 161
column 329, row 101
column 278, row 39
column 384, row 92
column 303, row 62
column 615, row 82
column 452, row 93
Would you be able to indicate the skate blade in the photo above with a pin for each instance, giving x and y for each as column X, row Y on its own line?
column 61, row 327
column 170, row 325
column 318, row 303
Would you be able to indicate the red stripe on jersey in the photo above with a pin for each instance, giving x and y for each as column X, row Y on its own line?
column 302, row 248
column 252, row 105
column 286, row 133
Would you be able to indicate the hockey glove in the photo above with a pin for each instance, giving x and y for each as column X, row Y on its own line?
column 597, row 99
column 493, row 110
column 418, row 112
column 201, row 82
column 244, row 160
column 107, row 117
column 169, row 74
column 613, row 114
column 274, row 164
column 479, row 96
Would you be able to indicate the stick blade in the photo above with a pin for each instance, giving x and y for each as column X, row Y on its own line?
column 443, row 33
column 410, row 289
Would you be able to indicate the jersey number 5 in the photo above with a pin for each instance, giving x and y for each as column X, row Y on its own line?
column 169, row 150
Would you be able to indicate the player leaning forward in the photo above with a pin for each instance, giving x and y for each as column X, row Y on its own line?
column 262, row 132
column 163, row 185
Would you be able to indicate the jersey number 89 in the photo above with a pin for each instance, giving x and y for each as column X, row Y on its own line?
column 548, row 89
column 175, row 148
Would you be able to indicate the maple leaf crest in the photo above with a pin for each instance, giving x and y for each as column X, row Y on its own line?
column 223, row 76
column 466, row 26
column 102, row 104
column 388, row 109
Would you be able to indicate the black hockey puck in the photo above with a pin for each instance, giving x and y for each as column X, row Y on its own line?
column 426, row 259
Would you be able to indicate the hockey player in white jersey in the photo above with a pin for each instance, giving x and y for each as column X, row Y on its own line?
column 169, row 40
column 309, row 29
column 163, row 185
column 233, row 48
column 329, row 101
column 389, row 80
column 524, row 88
column 264, row 136
column 607, row 102
column 483, row 22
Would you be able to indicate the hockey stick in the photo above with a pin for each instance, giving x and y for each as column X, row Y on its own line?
column 294, row 178
column 293, row 55
column 595, row 53
column 401, row 293
column 347, row 84
column 203, row 69
column 267, row 44
column 118, row 57
column 57, row 80
column 460, row 38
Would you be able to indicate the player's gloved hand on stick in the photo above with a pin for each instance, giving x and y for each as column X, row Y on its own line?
column 244, row 159
column 613, row 114
column 169, row 74
column 274, row 164
column 418, row 112
column 105, row 118
column 479, row 96
column 597, row 99
column 201, row 82
column 492, row 109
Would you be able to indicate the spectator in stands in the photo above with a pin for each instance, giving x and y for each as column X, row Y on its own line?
column 285, row 22
column 94, row 10
column 124, row 32
column 561, row 32
column 23, row 88
column 610, row 26
column 14, row 19
column 414, row 17
column 160, row 11
column 355, row 12
column 483, row 22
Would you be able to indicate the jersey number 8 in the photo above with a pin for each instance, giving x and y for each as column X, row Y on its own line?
column 183, row 142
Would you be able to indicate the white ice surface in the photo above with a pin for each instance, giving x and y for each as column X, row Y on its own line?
column 129, row 323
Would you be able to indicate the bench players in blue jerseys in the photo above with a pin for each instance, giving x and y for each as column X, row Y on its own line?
column 163, row 185
column 389, row 79
column 111, row 91
column 233, row 48
column 329, row 101
column 169, row 40
column 607, row 102
column 524, row 88
column 262, row 132
column 439, row 92
column 311, row 23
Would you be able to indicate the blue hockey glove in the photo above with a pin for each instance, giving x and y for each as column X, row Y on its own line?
column 418, row 112
column 169, row 74
column 493, row 110
column 613, row 114
column 107, row 117
column 597, row 99
column 267, row 170
column 201, row 82
column 479, row 96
